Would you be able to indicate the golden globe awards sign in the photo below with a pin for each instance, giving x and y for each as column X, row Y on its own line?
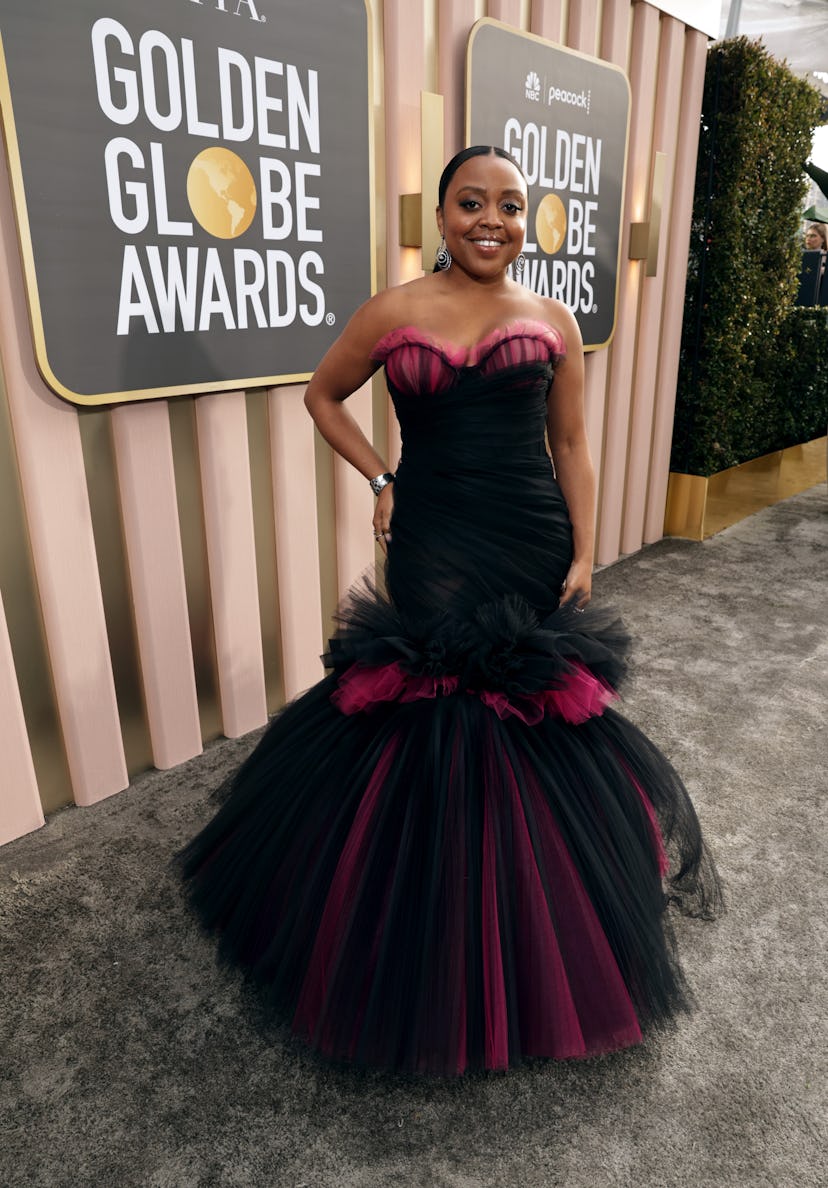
column 564, row 118
column 192, row 181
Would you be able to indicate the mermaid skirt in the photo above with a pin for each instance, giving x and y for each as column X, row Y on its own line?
column 453, row 852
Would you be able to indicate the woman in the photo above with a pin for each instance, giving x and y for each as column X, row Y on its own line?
column 450, row 852
column 816, row 237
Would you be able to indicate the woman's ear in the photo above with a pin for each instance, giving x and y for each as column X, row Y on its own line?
column 439, row 213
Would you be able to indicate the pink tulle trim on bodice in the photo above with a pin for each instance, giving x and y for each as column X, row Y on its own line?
column 416, row 361
column 582, row 695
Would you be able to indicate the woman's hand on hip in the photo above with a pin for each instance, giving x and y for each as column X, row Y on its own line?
column 383, row 512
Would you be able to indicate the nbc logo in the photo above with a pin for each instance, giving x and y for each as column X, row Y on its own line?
column 533, row 86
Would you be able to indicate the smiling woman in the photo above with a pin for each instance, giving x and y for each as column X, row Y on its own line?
column 487, row 213
column 451, row 852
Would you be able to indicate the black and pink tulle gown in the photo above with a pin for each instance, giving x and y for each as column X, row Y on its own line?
column 452, row 853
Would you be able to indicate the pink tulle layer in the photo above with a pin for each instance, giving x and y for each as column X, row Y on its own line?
column 571, row 997
column 582, row 695
column 416, row 361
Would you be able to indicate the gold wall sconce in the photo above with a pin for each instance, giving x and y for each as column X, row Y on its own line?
column 417, row 224
column 644, row 237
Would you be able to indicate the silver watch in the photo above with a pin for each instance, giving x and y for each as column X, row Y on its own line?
column 382, row 480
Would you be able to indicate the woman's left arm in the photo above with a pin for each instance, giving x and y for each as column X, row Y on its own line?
column 570, row 453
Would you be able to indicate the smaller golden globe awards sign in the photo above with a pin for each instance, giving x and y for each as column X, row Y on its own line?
column 192, row 181
column 564, row 118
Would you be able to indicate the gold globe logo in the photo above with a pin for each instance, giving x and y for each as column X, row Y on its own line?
column 221, row 193
column 550, row 223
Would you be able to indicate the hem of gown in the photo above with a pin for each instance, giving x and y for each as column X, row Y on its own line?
column 270, row 1020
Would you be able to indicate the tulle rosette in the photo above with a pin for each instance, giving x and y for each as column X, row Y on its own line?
column 568, row 665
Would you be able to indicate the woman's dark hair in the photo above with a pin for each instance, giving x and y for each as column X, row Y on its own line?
column 476, row 150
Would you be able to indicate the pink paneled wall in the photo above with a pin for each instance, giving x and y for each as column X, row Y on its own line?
column 630, row 396
column 50, row 462
column 146, row 487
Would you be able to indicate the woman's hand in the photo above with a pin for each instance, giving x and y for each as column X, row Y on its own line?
column 382, row 516
column 577, row 587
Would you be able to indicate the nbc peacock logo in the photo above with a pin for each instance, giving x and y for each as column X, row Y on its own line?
column 533, row 86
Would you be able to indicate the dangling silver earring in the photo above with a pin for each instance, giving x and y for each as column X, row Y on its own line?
column 443, row 257
column 519, row 264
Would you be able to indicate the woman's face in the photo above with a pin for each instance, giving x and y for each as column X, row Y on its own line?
column 483, row 218
column 813, row 240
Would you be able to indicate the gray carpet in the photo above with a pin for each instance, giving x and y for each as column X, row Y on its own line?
column 128, row 1058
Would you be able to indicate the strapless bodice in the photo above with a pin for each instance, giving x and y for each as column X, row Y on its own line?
column 417, row 363
column 461, row 408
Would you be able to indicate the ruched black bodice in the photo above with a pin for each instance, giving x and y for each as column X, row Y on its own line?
column 477, row 510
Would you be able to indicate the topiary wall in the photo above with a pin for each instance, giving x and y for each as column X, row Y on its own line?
column 753, row 371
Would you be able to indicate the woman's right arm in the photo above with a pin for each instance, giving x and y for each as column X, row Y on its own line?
column 346, row 366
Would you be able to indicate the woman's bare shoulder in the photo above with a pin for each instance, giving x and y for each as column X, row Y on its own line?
column 561, row 318
column 399, row 305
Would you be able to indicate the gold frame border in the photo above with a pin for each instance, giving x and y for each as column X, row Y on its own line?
column 475, row 29
column 698, row 507
column 24, row 239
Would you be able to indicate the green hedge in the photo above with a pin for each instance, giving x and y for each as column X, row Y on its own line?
column 753, row 371
column 798, row 377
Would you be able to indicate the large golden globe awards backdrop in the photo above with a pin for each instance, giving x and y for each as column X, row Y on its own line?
column 564, row 117
column 192, row 181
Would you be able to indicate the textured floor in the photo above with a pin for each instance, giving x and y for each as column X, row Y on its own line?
column 128, row 1058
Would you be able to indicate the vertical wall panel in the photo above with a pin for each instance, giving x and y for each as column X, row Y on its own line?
column 404, row 31
column 507, row 11
column 56, row 503
column 20, row 809
column 546, row 18
column 616, row 18
column 107, row 528
column 582, row 26
column 695, row 61
column 582, row 31
column 264, row 530
column 596, row 365
column 665, row 129
column 146, row 489
column 405, row 71
column 24, row 624
column 615, row 25
column 355, row 546
column 642, row 80
column 293, row 466
column 221, row 423
column 196, row 570
column 455, row 19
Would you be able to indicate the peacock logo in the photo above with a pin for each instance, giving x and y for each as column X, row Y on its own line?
column 533, row 86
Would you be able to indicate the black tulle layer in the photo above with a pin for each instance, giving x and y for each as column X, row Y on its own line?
column 452, row 852
column 502, row 644
column 430, row 887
